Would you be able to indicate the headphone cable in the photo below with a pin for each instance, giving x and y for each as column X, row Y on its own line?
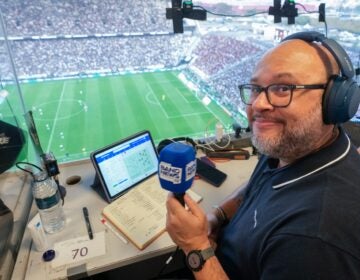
column 169, row 260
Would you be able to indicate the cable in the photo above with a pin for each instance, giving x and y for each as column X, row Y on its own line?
column 314, row 12
column 62, row 196
column 304, row 8
column 33, row 176
column 26, row 170
column 168, row 261
column 226, row 15
column 326, row 28
column 357, row 70
column 265, row 12
column 208, row 145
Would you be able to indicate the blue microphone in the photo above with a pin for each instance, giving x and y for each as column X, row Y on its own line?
column 177, row 168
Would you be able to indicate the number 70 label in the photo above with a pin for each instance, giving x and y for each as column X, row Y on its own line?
column 78, row 249
column 80, row 252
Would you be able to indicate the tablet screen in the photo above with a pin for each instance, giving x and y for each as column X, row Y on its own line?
column 122, row 165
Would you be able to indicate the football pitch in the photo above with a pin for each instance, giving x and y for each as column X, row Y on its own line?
column 77, row 116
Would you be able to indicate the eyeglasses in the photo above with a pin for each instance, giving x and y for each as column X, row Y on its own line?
column 278, row 95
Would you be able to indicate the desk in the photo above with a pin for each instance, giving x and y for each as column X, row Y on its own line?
column 16, row 194
column 29, row 264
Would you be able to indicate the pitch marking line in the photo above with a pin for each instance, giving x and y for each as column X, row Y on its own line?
column 181, row 94
column 157, row 102
column 178, row 90
column 56, row 116
column 189, row 115
column 151, row 93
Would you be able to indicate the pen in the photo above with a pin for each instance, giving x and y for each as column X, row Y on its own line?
column 114, row 231
column 87, row 222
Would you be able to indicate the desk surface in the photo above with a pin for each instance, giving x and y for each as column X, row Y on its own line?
column 30, row 265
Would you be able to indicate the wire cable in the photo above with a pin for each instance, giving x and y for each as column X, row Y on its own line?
column 26, row 170
column 228, row 15
column 169, row 260
column 61, row 192
column 265, row 12
column 314, row 12
column 357, row 71
column 209, row 145
column 33, row 176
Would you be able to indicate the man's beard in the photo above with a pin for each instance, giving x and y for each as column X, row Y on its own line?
column 295, row 141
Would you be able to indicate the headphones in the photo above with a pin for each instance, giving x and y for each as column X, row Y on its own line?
column 342, row 94
column 166, row 142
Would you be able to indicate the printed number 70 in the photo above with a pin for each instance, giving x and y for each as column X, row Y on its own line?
column 82, row 252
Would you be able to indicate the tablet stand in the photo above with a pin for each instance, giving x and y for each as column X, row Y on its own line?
column 96, row 185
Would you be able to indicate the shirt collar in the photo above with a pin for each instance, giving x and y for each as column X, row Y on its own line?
column 312, row 163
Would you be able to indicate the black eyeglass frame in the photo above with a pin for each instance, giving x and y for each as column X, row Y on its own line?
column 265, row 89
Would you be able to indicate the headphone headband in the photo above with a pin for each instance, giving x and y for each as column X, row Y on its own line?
column 168, row 141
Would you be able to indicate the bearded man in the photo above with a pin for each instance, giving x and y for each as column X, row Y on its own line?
column 298, row 217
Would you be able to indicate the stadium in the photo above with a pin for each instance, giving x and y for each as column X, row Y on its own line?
column 86, row 85
column 86, row 66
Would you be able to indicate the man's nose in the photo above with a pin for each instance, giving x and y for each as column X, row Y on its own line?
column 261, row 102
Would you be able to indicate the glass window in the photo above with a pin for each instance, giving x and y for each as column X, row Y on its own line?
column 92, row 72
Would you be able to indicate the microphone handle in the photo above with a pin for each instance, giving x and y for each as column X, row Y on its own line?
column 180, row 198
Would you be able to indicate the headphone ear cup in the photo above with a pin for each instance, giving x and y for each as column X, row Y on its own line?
column 353, row 99
column 340, row 100
column 328, row 101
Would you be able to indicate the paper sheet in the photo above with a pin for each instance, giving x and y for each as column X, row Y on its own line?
column 78, row 249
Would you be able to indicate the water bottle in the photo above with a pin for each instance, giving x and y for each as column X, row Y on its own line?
column 48, row 201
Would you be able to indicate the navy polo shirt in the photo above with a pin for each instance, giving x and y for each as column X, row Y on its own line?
column 301, row 221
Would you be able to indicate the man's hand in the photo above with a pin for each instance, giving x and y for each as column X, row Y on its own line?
column 188, row 228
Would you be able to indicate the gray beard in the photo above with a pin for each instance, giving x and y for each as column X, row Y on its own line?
column 295, row 141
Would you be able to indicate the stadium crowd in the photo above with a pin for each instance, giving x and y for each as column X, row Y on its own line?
column 220, row 63
column 64, row 57
column 218, row 52
column 224, row 63
column 71, row 17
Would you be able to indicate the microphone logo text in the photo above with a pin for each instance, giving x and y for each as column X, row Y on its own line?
column 170, row 173
column 190, row 170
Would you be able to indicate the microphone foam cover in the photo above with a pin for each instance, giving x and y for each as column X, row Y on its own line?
column 177, row 167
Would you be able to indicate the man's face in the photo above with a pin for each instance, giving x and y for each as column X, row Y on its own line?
column 293, row 131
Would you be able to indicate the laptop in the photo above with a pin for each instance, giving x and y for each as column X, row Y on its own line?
column 124, row 164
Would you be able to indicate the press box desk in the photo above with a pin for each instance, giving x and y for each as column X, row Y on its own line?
column 29, row 263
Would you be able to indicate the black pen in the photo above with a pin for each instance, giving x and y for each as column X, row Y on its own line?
column 87, row 222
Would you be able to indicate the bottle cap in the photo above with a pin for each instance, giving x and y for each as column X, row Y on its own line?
column 48, row 255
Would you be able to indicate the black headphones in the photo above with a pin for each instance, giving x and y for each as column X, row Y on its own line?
column 342, row 94
column 166, row 142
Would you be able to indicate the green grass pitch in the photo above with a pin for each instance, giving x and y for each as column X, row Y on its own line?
column 77, row 116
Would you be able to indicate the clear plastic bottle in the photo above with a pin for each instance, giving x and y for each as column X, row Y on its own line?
column 48, row 202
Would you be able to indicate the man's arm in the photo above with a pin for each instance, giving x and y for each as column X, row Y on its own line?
column 188, row 229
column 233, row 201
column 212, row 270
column 221, row 214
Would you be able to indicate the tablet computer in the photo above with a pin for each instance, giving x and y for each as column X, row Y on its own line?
column 124, row 164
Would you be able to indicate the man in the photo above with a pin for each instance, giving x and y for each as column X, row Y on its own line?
column 299, row 215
